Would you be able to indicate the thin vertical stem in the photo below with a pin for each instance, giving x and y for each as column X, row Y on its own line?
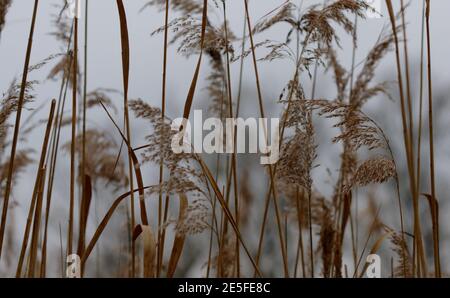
column 271, row 172
column 162, row 235
column 36, row 224
column 85, row 78
column 54, row 153
column 408, row 145
column 36, row 190
column 17, row 127
column 437, row 261
column 125, row 43
column 407, row 76
column 233, row 157
column 73, row 142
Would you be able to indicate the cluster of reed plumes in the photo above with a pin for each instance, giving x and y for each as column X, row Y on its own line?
column 309, row 234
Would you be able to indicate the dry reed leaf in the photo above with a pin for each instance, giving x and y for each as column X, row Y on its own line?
column 125, row 41
column 9, row 104
column 434, row 210
column 180, row 237
column 84, row 213
column 137, row 169
column 149, row 247
column 100, row 229
column 191, row 93
column 227, row 212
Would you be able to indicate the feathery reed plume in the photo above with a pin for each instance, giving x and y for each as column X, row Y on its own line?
column 315, row 24
column 9, row 105
column 327, row 234
column 63, row 33
column 184, row 6
column 23, row 160
column 298, row 150
column 404, row 267
column 184, row 176
column 100, row 163
column 4, row 6
column 375, row 170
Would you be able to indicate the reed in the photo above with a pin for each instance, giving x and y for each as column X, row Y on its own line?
column 20, row 104
column 235, row 218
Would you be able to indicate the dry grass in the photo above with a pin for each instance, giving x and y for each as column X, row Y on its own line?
column 195, row 196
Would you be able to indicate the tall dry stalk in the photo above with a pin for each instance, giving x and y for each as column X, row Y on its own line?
column 161, row 219
column 262, row 113
column 408, row 149
column 73, row 137
column 38, row 188
column 125, row 43
column 54, row 151
column 17, row 127
column 420, row 120
column 435, row 212
column 407, row 77
column 85, row 83
column 233, row 172
column 32, row 261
